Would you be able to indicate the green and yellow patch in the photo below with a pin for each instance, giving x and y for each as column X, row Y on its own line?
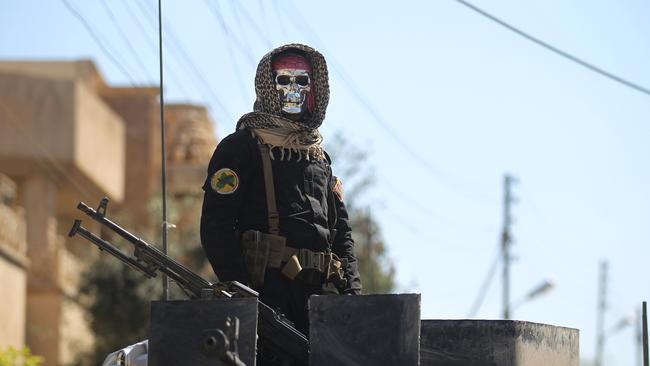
column 224, row 181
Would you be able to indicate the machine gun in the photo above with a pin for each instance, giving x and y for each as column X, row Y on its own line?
column 274, row 330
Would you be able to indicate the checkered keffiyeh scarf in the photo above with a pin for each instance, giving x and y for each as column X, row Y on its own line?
column 287, row 137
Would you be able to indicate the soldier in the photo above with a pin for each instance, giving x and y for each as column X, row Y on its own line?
column 273, row 213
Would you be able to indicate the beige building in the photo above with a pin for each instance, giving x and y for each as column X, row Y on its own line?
column 66, row 136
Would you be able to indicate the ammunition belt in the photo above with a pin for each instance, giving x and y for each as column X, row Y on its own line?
column 268, row 250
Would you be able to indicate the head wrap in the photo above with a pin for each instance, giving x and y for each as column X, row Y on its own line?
column 302, row 137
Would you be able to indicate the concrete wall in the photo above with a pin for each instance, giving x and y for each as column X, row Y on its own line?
column 497, row 343
column 83, row 70
column 62, row 128
column 139, row 109
column 61, row 143
column 13, row 266
column 65, row 136
column 99, row 141
column 12, row 310
column 191, row 142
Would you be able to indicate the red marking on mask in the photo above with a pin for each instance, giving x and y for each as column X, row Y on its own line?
column 293, row 61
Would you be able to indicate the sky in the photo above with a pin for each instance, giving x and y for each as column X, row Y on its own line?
column 444, row 102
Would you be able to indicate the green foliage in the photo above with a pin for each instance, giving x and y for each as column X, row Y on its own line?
column 119, row 306
column 376, row 269
column 22, row 357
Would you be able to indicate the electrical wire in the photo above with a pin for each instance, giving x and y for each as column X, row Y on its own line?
column 231, row 52
column 180, row 50
column 98, row 40
column 235, row 14
column 150, row 43
column 280, row 17
column 126, row 40
column 556, row 50
column 482, row 292
column 242, row 48
column 260, row 33
column 425, row 163
column 264, row 18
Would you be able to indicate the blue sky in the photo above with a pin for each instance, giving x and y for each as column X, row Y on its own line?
column 468, row 99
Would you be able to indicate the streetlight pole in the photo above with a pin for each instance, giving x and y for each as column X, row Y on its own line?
column 541, row 289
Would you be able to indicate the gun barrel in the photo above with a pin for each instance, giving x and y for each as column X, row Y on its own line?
column 104, row 245
column 179, row 273
column 274, row 331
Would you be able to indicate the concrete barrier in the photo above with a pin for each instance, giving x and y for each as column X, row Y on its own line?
column 496, row 343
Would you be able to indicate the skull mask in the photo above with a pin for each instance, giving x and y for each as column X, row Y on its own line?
column 293, row 83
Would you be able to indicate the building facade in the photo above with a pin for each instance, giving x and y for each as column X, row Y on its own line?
column 66, row 136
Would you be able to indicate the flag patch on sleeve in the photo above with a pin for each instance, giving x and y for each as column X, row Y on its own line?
column 224, row 181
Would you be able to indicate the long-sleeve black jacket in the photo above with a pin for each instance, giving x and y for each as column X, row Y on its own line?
column 304, row 199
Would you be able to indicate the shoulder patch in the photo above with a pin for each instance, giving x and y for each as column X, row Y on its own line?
column 338, row 189
column 224, row 181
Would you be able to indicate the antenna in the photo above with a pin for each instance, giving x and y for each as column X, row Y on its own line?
column 165, row 225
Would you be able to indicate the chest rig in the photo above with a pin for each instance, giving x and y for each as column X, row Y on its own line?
column 270, row 250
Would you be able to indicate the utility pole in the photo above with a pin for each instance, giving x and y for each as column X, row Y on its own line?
column 506, row 241
column 600, row 317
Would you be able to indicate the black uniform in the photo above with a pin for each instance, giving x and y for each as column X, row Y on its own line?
column 311, row 217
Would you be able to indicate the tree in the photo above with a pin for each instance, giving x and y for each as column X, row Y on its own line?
column 376, row 269
column 19, row 357
column 119, row 307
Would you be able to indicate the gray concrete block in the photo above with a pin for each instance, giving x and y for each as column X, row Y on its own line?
column 188, row 332
column 497, row 343
column 364, row 330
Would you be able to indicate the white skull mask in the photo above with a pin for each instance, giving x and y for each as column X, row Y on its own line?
column 293, row 86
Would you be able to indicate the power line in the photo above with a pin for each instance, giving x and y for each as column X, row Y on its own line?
column 242, row 48
column 476, row 305
column 126, row 40
column 177, row 45
column 233, row 61
column 151, row 46
column 235, row 13
column 557, row 50
column 264, row 18
column 352, row 87
column 254, row 25
column 280, row 16
column 98, row 40
column 376, row 116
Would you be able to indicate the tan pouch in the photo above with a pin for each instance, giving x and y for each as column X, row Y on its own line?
column 256, row 255
column 277, row 244
column 292, row 267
